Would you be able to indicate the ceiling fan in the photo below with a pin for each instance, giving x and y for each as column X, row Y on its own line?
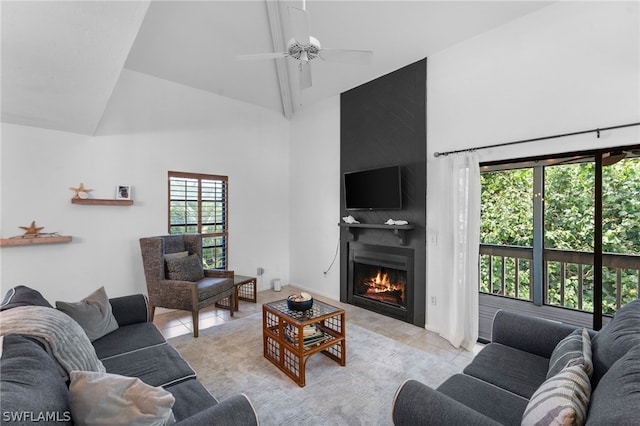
column 305, row 48
column 611, row 158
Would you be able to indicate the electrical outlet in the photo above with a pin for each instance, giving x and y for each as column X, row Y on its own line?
column 434, row 301
column 260, row 271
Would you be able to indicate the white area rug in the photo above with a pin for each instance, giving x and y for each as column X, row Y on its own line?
column 228, row 360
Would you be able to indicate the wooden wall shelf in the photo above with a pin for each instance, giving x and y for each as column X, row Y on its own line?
column 101, row 202
column 7, row 242
column 398, row 230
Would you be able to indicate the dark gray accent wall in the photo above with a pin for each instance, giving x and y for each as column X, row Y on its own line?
column 383, row 123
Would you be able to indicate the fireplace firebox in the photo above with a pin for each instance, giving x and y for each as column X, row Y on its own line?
column 384, row 284
column 380, row 278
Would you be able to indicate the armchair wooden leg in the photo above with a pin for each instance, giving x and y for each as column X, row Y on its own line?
column 194, row 315
column 152, row 312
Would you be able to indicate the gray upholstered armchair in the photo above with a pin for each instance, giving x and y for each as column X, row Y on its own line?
column 176, row 279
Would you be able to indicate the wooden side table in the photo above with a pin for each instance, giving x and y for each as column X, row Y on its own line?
column 245, row 289
column 283, row 337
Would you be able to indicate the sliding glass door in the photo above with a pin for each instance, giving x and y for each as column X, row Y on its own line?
column 562, row 232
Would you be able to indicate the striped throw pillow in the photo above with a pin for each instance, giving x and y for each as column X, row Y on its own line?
column 575, row 349
column 561, row 400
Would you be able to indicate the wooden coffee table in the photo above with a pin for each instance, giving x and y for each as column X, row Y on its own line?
column 283, row 336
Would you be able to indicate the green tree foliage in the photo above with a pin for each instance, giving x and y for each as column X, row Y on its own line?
column 507, row 219
column 506, row 207
column 569, row 207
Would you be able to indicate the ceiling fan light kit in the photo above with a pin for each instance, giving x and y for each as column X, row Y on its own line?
column 305, row 53
column 305, row 48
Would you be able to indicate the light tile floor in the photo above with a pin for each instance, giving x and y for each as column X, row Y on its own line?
column 176, row 323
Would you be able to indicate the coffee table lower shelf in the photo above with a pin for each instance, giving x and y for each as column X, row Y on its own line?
column 291, row 355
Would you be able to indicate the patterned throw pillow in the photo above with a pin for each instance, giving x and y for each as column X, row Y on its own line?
column 561, row 400
column 575, row 349
column 185, row 268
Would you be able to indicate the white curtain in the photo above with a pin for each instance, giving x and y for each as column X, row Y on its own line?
column 453, row 261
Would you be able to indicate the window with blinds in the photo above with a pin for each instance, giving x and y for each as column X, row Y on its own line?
column 198, row 204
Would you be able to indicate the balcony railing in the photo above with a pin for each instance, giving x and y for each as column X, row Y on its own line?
column 568, row 276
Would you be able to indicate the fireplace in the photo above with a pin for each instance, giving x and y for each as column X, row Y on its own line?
column 383, row 284
column 380, row 278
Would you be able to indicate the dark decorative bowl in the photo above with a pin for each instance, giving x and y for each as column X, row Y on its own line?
column 299, row 306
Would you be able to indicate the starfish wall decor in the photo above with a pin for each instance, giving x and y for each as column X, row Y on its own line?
column 81, row 191
column 32, row 230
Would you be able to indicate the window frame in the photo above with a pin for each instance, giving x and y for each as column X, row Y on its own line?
column 200, row 177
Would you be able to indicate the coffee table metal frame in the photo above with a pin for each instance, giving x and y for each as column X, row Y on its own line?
column 291, row 355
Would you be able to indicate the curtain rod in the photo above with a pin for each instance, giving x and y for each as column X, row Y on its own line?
column 598, row 130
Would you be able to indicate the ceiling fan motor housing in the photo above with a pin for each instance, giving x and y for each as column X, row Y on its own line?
column 304, row 52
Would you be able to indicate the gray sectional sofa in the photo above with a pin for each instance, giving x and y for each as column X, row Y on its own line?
column 35, row 386
column 511, row 377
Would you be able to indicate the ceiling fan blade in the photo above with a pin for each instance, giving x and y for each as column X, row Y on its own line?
column 305, row 75
column 362, row 57
column 299, row 25
column 259, row 56
column 613, row 158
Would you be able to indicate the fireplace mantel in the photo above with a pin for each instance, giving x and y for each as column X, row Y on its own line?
column 398, row 230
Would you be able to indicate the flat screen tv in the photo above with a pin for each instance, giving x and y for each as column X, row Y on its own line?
column 374, row 189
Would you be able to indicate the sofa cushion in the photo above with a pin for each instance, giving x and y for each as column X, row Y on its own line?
column 616, row 338
column 509, row 368
column 159, row 365
column 93, row 313
column 616, row 399
column 575, row 349
column 561, row 400
column 483, row 397
column 128, row 339
column 185, row 268
column 191, row 398
column 23, row 296
column 122, row 401
column 30, row 385
column 212, row 286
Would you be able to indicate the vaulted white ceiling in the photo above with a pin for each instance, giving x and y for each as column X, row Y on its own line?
column 61, row 60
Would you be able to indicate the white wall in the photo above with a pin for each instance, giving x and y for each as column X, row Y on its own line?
column 568, row 67
column 315, row 198
column 150, row 127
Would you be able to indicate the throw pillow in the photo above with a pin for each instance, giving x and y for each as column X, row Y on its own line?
column 561, row 400
column 575, row 349
column 616, row 399
column 111, row 399
column 23, row 296
column 93, row 313
column 176, row 255
column 185, row 268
